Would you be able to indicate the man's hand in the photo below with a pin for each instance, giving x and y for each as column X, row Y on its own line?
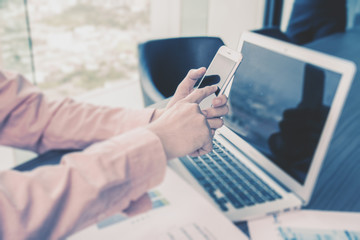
column 219, row 108
column 219, row 104
column 183, row 90
column 183, row 128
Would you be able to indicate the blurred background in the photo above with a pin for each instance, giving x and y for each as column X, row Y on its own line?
column 87, row 49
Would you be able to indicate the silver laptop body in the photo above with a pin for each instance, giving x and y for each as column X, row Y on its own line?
column 284, row 101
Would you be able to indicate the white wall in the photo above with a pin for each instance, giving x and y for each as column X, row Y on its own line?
column 286, row 13
column 194, row 17
column 164, row 18
column 229, row 18
column 226, row 19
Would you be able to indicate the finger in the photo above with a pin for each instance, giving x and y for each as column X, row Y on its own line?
column 187, row 85
column 191, row 78
column 215, row 123
column 219, row 101
column 196, row 74
column 199, row 94
column 206, row 148
column 194, row 154
column 216, row 112
column 200, row 152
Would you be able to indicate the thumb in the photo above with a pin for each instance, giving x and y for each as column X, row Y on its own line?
column 191, row 78
column 187, row 85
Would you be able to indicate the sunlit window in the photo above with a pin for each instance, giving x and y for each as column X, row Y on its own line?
column 78, row 45
column 15, row 52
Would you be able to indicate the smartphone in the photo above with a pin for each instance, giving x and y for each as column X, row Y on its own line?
column 220, row 72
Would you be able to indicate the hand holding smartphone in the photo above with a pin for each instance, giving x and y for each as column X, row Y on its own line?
column 220, row 72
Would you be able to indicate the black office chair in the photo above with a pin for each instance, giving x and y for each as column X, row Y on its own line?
column 164, row 63
column 52, row 157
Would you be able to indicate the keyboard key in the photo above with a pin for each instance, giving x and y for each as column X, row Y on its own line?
column 233, row 200
column 222, row 203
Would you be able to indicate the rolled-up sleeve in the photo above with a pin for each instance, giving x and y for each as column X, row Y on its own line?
column 29, row 121
column 122, row 163
column 55, row 201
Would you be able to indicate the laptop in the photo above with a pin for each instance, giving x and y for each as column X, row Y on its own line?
column 285, row 101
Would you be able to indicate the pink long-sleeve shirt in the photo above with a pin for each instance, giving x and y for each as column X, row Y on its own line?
column 122, row 163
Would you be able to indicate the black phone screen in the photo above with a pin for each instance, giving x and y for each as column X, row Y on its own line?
column 218, row 72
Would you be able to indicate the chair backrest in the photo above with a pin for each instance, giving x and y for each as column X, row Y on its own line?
column 165, row 62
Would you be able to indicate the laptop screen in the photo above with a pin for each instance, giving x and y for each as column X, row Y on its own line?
column 279, row 105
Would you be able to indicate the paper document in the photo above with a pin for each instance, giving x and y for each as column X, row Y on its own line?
column 307, row 225
column 178, row 213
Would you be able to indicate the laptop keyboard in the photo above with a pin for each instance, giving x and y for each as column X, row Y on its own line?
column 227, row 180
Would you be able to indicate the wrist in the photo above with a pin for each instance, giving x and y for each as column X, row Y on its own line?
column 158, row 130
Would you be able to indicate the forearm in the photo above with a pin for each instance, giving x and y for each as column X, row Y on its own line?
column 28, row 120
column 51, row 202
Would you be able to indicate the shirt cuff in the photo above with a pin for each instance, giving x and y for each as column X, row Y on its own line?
column 136, row 157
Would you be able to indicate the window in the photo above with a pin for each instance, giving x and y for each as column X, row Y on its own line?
column 78, row 45
column 15, row 52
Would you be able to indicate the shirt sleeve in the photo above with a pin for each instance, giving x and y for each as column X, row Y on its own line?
column 54, row 201
column 122, row 163
column 29, row 121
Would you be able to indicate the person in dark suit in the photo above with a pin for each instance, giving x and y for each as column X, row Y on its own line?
column 313, row 19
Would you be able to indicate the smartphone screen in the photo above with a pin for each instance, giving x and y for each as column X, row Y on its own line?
column 218, row 72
